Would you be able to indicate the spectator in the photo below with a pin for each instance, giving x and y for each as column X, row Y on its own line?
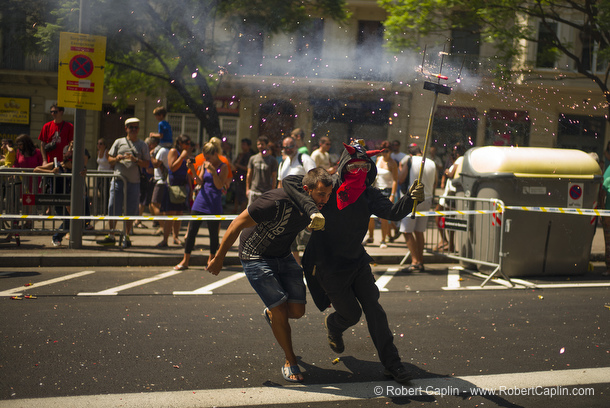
column 296, row 164
column 605, row 198
column 298, row 135
column 102, row 156
column 212, row 176
column 146, row 182
column 8, row 153
column 164, row 129
column 456, row 157
column 27, row 155
column 321, row 156
column 55, row 136
column 438, row 162
column 158, row 201
column 239, row 175
column 262, row 171
column 199, row 159
column 62, row 185
column 387, row 182
column 128, row 155
column 396, row 154
column 414, row 228
column 178, row 179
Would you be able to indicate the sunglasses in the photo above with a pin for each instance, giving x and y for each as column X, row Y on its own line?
column 54, row 112
column 133, row 127
column 289, row 147
column 359, row 166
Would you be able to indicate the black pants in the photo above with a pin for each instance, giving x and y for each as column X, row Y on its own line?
column 193, row 230
column 352, row 293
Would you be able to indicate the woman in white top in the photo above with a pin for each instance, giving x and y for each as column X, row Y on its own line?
column 387, row 182
column 102, row 156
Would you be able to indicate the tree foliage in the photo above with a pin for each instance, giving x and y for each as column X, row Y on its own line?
column 154, row 44
column 508, row 24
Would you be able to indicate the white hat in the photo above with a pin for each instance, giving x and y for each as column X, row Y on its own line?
column 132, row 120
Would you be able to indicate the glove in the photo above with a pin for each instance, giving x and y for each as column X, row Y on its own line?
column 416, row 192
column 317, row 222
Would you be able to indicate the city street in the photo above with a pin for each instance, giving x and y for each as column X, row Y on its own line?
column 151, row 336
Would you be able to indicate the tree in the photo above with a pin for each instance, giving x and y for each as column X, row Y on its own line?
column 176, row 44
column 508, row 24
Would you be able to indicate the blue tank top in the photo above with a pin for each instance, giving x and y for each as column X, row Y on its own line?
column 209, row 198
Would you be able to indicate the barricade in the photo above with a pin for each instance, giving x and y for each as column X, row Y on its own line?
column 25, row 195
column 471, row 244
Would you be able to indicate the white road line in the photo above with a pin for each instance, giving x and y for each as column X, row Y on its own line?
column 574, row 285
column 117, row 289
column 207, row 290
column 298, row 394
column 453, row 278
column 19, row 290
column 385, row 279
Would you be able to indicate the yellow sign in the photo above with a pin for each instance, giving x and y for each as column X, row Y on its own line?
column 81, row 71
column 15, row 110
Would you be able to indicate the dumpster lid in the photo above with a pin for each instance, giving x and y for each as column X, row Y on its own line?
column 530, row 162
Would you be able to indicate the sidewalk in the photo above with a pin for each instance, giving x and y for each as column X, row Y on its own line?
column 38, row 251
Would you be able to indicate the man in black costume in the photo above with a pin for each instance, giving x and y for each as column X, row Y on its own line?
column 336, row 264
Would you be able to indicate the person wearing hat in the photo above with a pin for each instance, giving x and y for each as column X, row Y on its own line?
column 128, row 154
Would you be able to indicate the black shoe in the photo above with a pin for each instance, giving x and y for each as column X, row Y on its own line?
column 398, row 373
column 335, row 341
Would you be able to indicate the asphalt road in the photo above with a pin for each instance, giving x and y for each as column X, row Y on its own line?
column 152, row 337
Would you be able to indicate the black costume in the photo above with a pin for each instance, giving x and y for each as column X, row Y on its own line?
column 336, row 264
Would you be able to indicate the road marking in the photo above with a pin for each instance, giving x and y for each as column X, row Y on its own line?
column 385, row 279
column 17, row 291
column 207, row 290
column 298, row 394
column 453, row 278
column 117, row 289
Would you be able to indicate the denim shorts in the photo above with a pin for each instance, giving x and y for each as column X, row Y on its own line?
column 115, row 201
column 276, row 280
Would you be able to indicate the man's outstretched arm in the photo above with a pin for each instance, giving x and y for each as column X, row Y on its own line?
column 294, row 188
column 242, row 221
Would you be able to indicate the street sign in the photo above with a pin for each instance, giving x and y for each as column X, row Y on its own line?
column 454, row 224
column 81, row 71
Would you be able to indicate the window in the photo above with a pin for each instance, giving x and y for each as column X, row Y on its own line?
column 592, row 54
column 250, row 50
column 546, row 54
column 581, row 132
column 507, row 128
column 452, row 125
column 309, row 40
column 369, row 50
column 465, row 47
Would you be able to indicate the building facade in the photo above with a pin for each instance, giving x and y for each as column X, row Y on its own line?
column 338, row 80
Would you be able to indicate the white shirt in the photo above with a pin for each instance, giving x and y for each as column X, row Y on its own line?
column 161, row 155
column 427, row 178
column 322, row 159
column 292, row 167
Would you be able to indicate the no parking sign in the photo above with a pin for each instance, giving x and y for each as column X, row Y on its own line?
column 575, row 195
column 81, row 71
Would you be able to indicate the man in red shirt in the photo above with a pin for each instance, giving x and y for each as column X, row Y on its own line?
column 54, row 136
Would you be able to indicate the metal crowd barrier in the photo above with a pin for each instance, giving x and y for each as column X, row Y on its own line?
column 25, row 193
column 470, row 243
